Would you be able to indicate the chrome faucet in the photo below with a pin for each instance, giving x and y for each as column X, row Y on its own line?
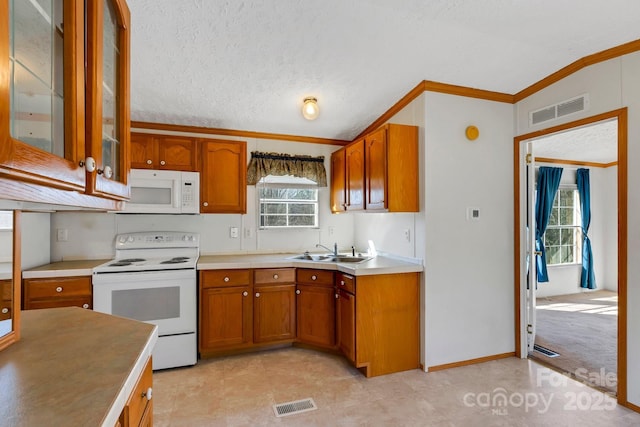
column 334, row 252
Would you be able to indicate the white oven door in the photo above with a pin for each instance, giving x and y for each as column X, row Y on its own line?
column 164, row 298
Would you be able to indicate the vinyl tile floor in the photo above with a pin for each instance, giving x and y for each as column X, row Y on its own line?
column 241, row 391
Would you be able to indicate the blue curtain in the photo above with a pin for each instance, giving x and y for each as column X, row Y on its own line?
column 588, row 279
column 548, row 183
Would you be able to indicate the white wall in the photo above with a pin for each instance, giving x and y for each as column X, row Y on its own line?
column 603, row 232
column 35, row 249
column 469, row 264
column 91, row 235
column 611, row 85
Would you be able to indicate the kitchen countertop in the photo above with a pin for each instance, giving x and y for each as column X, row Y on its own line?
column 63, row 269
column 72, row 367
column 378, row 265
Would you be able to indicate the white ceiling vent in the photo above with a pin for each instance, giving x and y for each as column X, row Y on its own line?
column 564, row 108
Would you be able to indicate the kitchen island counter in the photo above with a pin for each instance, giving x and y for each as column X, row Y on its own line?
column 72, row 367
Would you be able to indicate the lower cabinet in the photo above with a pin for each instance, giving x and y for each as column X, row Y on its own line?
column 379, row 331
column 316, row 307
column 243, row 308
column 138, row 411
column 57, row 292
column 226, row 310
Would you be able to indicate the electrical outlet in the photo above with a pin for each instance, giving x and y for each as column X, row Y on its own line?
column 233, row 232
column 407, row 234
column 247, row 232
column 331, row 230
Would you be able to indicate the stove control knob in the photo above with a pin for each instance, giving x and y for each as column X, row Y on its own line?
column 122, row 239
column 130, row 239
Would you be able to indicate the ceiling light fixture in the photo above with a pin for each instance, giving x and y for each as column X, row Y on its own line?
column 310, row 109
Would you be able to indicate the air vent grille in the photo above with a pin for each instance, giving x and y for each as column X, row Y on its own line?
column 564, row 108
column 295, row 407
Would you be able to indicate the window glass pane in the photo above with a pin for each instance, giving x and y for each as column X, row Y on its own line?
column 274, row 221
column 566, row 254
column 552, row 237
column 566, row 197
column 273, row 208
column 566, row 236
column 553, row 217
column 566, row 216
column 306, row 208
column 298, row 221
column 553, row 255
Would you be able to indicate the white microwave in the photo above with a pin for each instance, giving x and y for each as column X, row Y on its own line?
column 163, row 192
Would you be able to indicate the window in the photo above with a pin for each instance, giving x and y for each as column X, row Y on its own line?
column 286, row 205
column 563, row 237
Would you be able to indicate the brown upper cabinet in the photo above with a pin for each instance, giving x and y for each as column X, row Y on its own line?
column 223, row 176
column 380, row 173
column 150, row 151
column 65, row 95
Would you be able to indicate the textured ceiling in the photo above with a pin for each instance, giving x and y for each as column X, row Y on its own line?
column 247, row 65
column 594, row 143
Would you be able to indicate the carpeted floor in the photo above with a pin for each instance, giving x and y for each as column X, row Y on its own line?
column 582, row 328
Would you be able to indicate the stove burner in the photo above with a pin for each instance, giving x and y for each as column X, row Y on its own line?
column 130, row 260
column 119, row 264
column 176, row 260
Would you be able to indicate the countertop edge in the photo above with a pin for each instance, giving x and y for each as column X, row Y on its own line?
column 121, row 400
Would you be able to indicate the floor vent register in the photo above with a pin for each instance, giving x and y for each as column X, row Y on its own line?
column 545, row 351
column 295, row 407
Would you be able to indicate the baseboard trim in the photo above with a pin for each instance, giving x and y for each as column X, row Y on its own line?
column 631, row 406
column 471, row 361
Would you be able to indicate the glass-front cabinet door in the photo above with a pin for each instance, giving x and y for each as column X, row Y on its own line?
column 42, row 91
column 108, row 119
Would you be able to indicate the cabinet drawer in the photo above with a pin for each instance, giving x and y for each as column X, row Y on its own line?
column 346, row 282
column 218, row 278
column 83, row 302
column 5, row 309
column 140, row 398
column 314, row 277
column 274, row 275
column 57, row 287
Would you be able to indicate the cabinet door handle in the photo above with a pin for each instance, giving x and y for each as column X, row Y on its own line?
column 162, row 162
column 59, row 289
column 89, row 164
column 85, row 305
column 245, row 293
column 275, row 276
column 148, row 394
column 341, row 282
column 337, row 296
column 5, row 310
column 205, row 204
column 257, row 294
column 314, row 277
column 149, row 162
column 226, row 279
column 297, row 291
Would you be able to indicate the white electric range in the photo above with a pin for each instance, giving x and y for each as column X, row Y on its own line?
column 153, row 279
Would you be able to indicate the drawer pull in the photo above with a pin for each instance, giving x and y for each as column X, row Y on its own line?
column 226, row 279
column 297, row 291
column 245, row 293
column 85, row 305
column 257, row 294
column 5, row 310
column 148, row 394
column 337, row 296
column 275, row 276
column 162, row 162
column 314, row 277
column 59, row 289
column 149, row 162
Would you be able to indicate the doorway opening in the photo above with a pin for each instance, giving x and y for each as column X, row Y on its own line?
column 578, row 331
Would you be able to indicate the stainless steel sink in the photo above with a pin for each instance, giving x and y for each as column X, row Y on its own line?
column 331, row 258
column 348, row 258
column 309, row 257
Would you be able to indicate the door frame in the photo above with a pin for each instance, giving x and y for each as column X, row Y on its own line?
column 520, row 258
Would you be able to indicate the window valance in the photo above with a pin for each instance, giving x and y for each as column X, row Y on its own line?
column 264, row 164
